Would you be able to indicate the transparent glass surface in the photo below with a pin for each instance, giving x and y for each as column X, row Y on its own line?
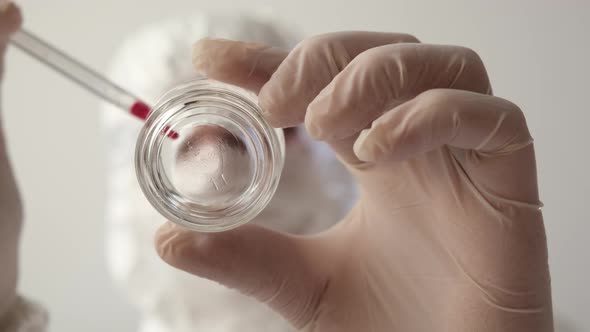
column 223, row 163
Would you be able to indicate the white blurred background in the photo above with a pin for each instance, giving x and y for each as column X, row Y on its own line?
column 536, row 52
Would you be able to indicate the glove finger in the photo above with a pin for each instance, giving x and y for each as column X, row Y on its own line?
column 461, row 119
column 247, row 65
column 482, row 131
column 277, row 269
column 381, row 78
column 10, row 19
column 310, row 67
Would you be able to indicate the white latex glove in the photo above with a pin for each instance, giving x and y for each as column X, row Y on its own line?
column 16, row 313
column 10, row 205
column 447, row 234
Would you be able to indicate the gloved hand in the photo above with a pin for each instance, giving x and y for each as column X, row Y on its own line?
column 17, row 313
column 10, row 205
column 447, row 234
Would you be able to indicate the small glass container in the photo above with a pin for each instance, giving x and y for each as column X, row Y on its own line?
column 206, row 159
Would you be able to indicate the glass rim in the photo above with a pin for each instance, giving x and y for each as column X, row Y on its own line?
column 176, row 105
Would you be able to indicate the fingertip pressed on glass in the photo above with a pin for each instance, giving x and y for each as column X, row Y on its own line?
column 221, row 166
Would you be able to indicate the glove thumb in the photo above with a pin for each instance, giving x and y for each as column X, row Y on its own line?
column 275, row 268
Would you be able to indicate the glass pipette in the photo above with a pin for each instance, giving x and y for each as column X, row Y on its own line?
column 81, row 74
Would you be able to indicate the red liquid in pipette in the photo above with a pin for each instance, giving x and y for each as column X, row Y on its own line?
column 142, row 110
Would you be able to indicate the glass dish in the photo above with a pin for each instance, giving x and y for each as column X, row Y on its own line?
column 221, row 166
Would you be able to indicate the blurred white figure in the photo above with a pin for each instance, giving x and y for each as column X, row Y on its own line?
column 315, row 190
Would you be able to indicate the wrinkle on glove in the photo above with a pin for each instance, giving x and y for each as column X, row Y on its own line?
column 447, row 234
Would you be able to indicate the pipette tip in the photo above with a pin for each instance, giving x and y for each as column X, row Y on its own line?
column 142, row 110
